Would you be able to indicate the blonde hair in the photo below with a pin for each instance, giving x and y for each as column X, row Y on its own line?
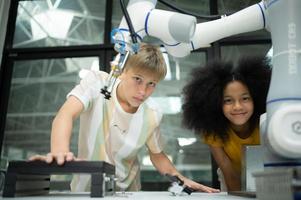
column 148, row 59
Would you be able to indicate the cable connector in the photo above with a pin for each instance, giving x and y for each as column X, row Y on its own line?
column 116, row 68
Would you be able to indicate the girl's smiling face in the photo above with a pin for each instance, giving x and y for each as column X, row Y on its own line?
column 238, row 105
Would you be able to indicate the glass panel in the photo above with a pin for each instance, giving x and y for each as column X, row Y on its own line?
column 117, row 13
column 233, row 53
column 46, row 23
column 190, row 156
column 200, row 7
column 229, row 6
column 38, row 90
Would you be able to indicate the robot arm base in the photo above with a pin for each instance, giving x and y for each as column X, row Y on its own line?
column 284, row 131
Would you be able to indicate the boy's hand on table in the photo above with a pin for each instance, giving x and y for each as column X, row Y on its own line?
column 60, row 157
column 199, row 187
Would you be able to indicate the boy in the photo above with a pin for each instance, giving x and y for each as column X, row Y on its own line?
column 115, row 130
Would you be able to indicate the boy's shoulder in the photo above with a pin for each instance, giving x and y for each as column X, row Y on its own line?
column 98, row 74
column 150, row 103
column 90, row 76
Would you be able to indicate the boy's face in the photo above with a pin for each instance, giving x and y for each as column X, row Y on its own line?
column 135, row 87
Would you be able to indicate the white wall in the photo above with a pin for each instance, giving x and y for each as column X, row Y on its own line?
column 4, row 7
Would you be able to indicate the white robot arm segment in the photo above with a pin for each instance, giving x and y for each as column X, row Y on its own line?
column 246, row 20
column 170, row 27
column 180, row 34
column 285, row 131
column 283, row 127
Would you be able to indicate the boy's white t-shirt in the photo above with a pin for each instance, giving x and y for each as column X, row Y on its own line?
column 110, row 134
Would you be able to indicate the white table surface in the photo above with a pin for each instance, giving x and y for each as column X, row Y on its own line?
column 136, row 196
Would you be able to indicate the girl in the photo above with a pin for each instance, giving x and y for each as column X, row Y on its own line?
column 223, row 102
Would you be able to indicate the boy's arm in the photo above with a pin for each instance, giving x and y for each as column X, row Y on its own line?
column 62, row 125
column 164, row 166
column 232, row 178
column 61, row 132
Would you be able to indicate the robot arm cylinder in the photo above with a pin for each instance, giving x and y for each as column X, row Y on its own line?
column 179, row 32
column 170, row 27
column 173, row 29
column 249, row 19
column 138, row 11
column 283, row 133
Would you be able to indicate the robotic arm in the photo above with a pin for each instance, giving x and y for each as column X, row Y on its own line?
column 179, row 33
column 282, row 130
column 170, row 27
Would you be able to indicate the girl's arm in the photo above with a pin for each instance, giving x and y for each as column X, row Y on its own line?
column 232, row 177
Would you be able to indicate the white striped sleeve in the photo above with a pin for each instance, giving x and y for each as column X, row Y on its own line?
column 88, row 88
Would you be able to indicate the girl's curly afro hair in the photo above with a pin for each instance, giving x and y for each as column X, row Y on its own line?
column 203, row 95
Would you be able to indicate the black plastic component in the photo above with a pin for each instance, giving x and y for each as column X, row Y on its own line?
column 188, row 190
column 33, row 177
column 180, row 182
column 105, row 92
